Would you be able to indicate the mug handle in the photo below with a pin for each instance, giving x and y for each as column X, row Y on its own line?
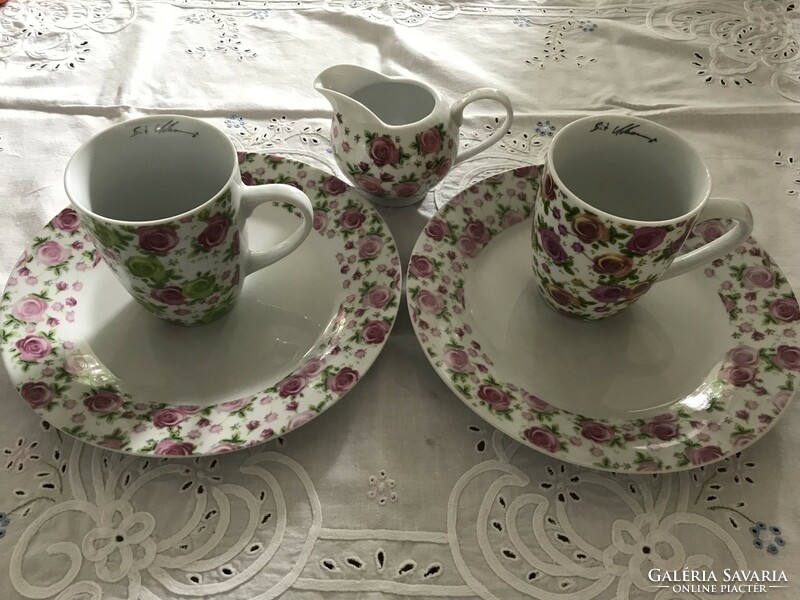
column 253, row 196
column 716, row 208
column 457, row 115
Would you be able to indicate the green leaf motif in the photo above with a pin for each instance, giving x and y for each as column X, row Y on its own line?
column 147, row 267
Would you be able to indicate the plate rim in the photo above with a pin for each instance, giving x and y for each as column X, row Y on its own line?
column 506, row 426
column 324, row 199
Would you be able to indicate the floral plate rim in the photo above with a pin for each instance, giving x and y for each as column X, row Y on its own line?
column 60, row 383
column 457, row 233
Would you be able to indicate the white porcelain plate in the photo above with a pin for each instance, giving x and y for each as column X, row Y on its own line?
column 700, row 368
column 94, row 364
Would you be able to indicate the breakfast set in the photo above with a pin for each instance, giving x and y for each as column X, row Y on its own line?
column 602, row 308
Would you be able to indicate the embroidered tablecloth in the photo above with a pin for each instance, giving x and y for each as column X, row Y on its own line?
column 400, row 490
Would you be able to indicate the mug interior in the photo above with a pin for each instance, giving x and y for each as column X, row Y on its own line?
column 395, row 102
column 629, row 168
column 150, row 169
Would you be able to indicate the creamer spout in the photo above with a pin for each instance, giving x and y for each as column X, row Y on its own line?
column 340, row 83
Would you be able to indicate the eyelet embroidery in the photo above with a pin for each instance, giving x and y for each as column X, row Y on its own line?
column 382, row 488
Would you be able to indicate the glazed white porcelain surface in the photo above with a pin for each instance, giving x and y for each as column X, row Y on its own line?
column 282, row 313
column 164, row 203
column 395, row 138
column 699, row 369
column 619, row 197
column 92, row 363
column 639, row 363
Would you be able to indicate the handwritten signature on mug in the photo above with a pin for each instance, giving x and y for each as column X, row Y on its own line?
column 629, row 129
column 170, row 126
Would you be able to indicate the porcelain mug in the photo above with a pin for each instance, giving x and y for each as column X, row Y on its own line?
column 164, row 202
column 618, row 197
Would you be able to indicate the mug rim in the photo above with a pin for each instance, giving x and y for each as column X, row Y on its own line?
column 663, row 130
column 151, row 222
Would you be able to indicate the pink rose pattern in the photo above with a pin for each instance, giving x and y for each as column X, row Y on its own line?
column 37, row 394
column 67, row 220
column 29, row 309
column 158, row 239
column 598, row 266
column 44, row 361
column 103, row 402
column 759, row 371
column 375, row 331
column 385, row 165
column 172, row 447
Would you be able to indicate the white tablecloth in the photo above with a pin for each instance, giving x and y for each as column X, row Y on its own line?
column 400, row 490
